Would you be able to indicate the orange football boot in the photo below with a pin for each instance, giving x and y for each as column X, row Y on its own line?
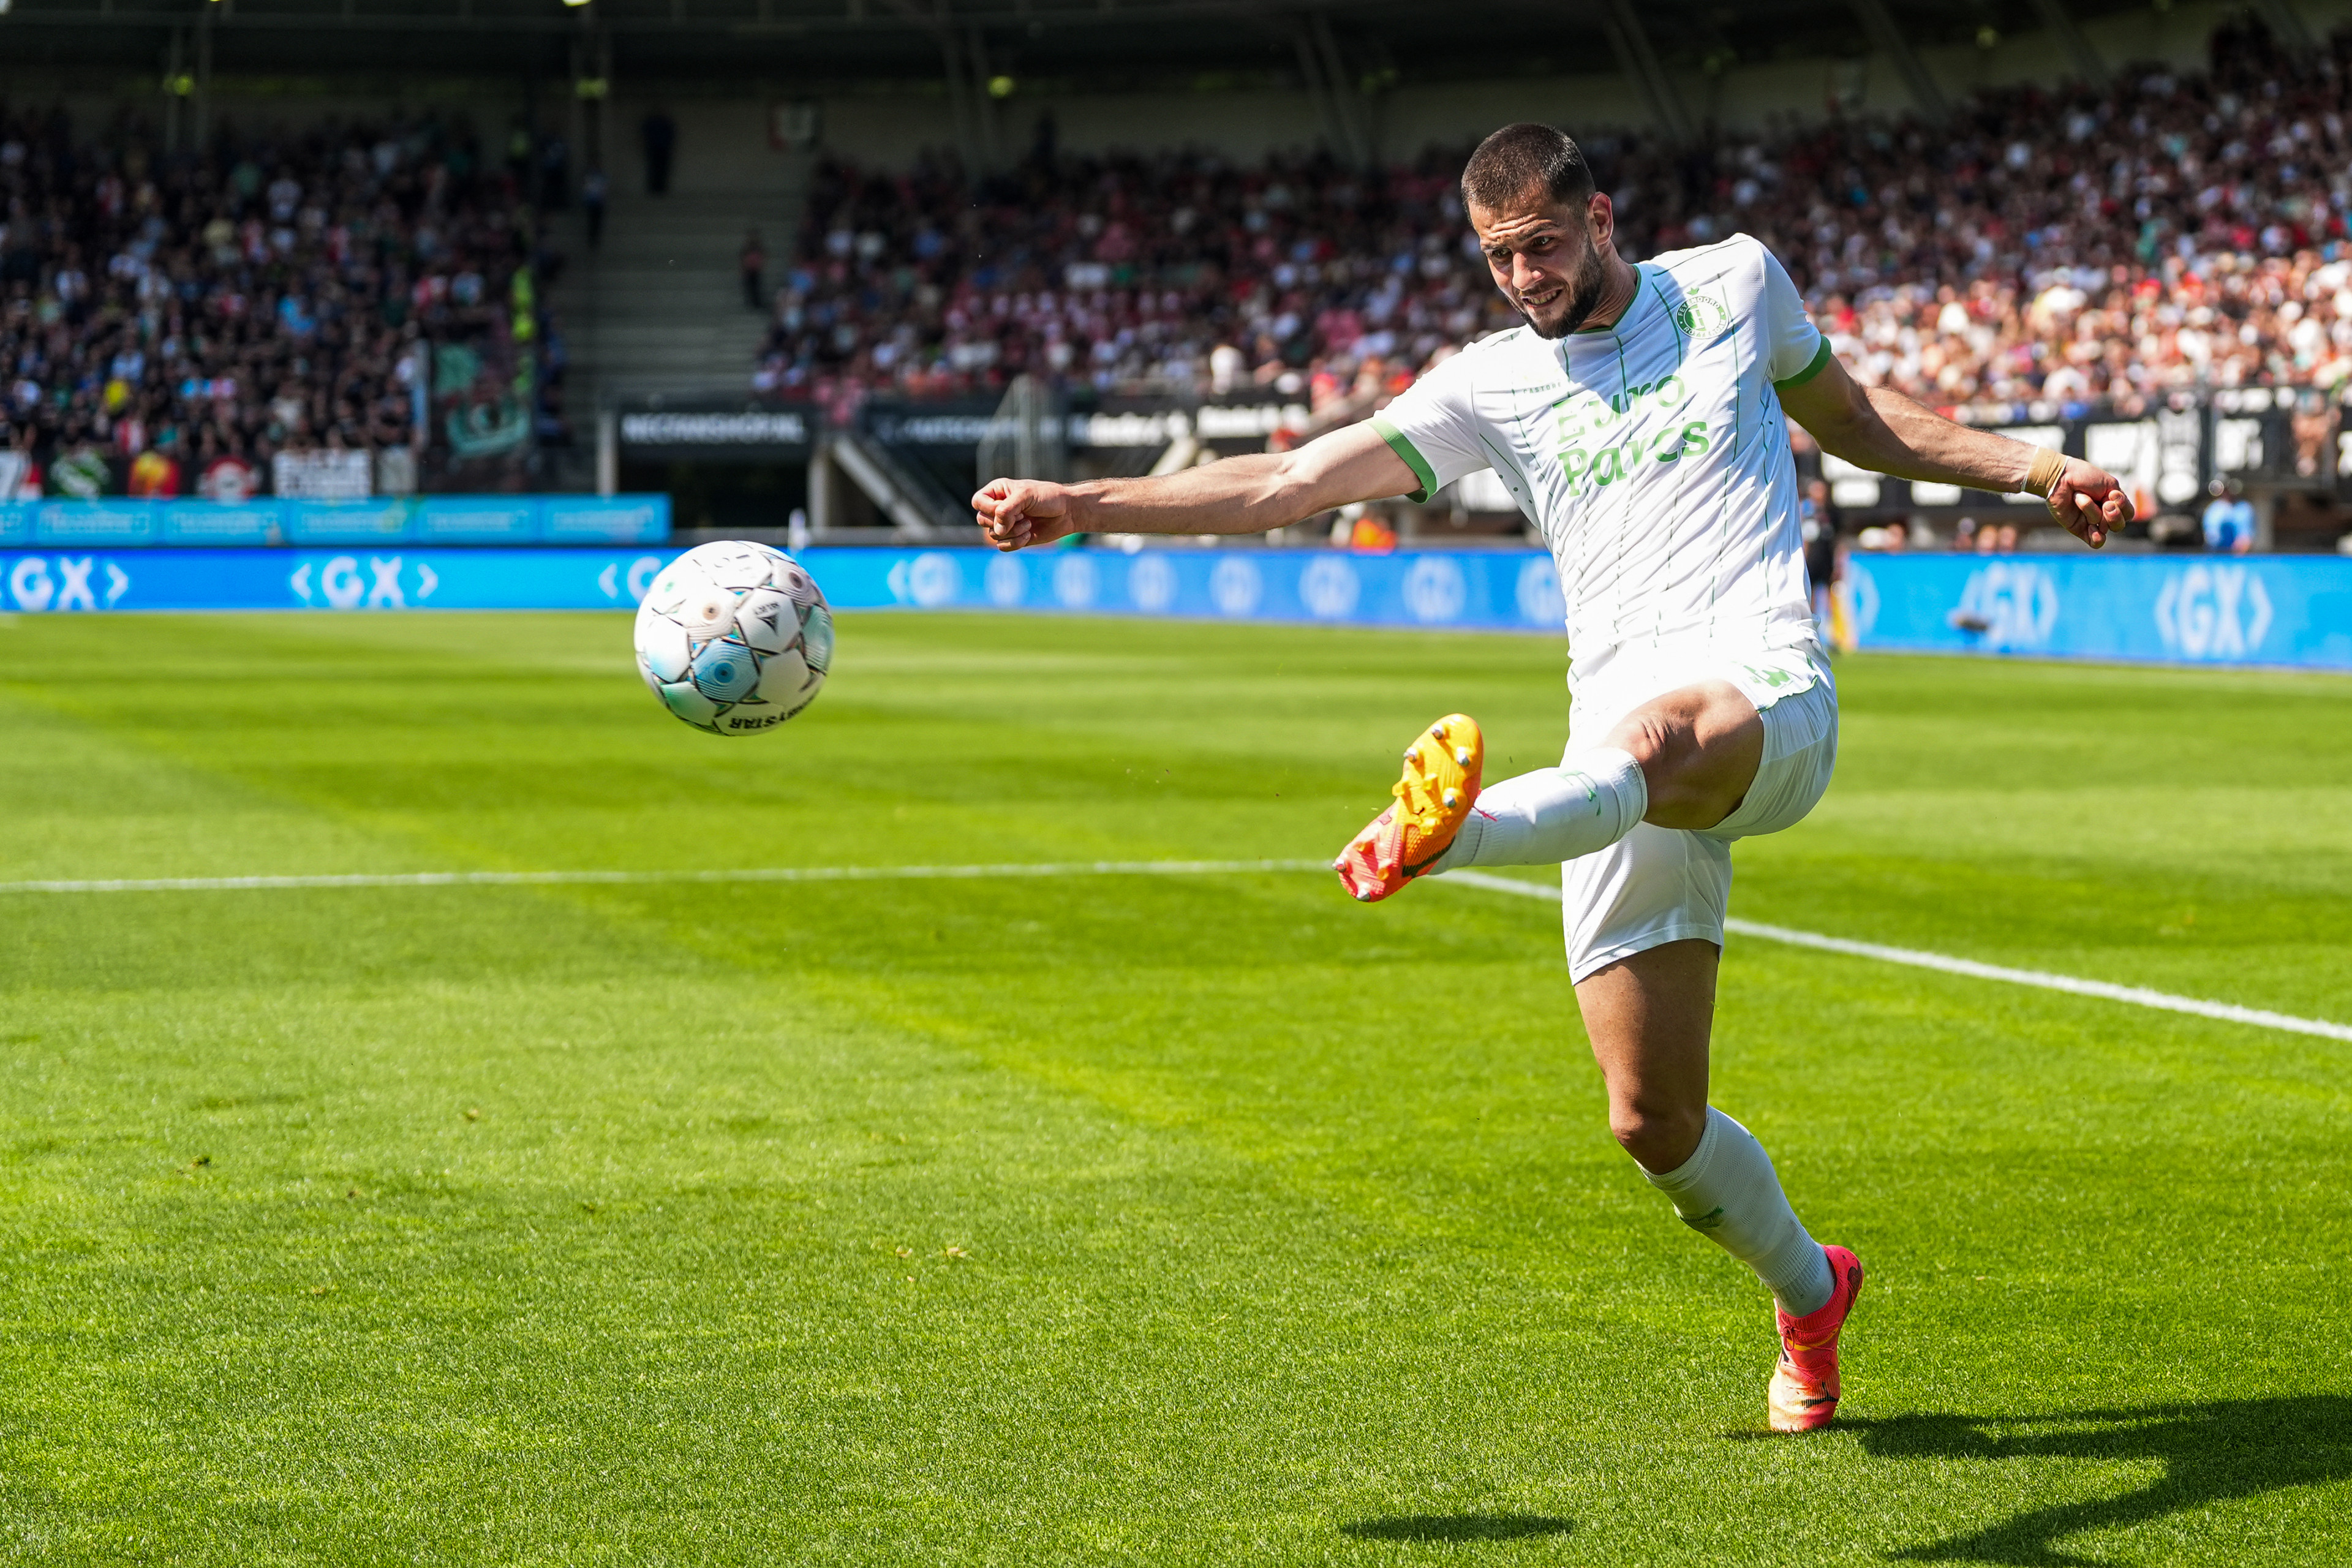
column 1439, row 786
column 1804, row 1394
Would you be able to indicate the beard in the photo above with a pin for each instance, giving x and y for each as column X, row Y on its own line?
column 1584, row 289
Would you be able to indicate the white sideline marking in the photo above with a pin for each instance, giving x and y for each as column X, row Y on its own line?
column 2137, row 995
column 745, row 874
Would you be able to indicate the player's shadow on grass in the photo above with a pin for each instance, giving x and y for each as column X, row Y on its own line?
column 1457, row 1527
column 2213, row 1452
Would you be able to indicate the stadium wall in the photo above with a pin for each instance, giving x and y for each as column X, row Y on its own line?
column 2179, row 609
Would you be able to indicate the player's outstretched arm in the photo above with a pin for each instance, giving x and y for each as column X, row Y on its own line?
column 1886, row 431
column 1237, row 495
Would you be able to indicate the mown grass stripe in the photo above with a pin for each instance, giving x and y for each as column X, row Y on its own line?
column 1916, row 958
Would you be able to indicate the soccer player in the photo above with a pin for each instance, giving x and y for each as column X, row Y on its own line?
column 1639, row 418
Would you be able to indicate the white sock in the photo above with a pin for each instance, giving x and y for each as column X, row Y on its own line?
column 1726, row 1192
column 1552, row 814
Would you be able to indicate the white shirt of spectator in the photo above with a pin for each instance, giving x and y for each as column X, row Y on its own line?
column 1654, row 458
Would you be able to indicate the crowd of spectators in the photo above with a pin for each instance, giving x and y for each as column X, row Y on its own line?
column 2171, row 233
column 2069, row 245
column 340, row 313
column 1178, row 271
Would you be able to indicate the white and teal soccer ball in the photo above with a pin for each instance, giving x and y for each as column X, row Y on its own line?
column 734, row 638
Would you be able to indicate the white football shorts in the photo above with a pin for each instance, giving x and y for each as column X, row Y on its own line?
column 1658, row 885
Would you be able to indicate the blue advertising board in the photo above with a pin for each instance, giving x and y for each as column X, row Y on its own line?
column 605, row 520
column 1500, row 590
column 109, row 522
column 2196, row 609
column 2284, row 610
column 120, row 522
column 382, row 578
column 215, row 523
column 384, row 519
column 1513, row 590
column 479, row 520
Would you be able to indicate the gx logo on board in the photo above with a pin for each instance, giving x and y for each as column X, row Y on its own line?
column 642, row 573
column 2009, row 603
column 2213, row 611
column 1436, row 590
column 45, row 582
column 929, row 581
column 387, row 584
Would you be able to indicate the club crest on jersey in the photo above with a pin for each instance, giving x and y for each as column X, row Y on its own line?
column 1703, row 318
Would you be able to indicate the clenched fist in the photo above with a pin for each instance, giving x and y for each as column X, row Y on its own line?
column 2089, row 502
column 1017, row 513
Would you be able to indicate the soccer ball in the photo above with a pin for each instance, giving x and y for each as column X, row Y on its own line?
column 734, row 638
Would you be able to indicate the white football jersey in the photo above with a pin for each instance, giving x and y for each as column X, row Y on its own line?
column 1654, row 458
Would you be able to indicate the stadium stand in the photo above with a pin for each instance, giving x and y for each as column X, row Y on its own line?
column 342, row 309
column 326, row 316
column 2073, row 246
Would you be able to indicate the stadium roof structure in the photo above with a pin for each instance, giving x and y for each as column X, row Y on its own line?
column 1354, row 45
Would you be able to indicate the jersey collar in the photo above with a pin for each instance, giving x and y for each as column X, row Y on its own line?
column 1645, row 292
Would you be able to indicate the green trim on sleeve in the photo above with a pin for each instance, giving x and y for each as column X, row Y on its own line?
column 1819, row 361
column 1415, row 460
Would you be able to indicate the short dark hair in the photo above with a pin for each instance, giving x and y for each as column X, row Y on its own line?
column 1519, row 156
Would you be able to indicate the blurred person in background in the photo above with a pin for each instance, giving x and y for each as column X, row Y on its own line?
column 2229, row 520
column 555, row 173
column 752, row 262
column 592, row 190
column 1818, row 523
column 658, row 135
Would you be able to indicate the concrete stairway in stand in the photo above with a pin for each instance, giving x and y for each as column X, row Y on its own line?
column 659, row 305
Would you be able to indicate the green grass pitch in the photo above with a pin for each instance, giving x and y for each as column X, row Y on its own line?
column 1199, row 1220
